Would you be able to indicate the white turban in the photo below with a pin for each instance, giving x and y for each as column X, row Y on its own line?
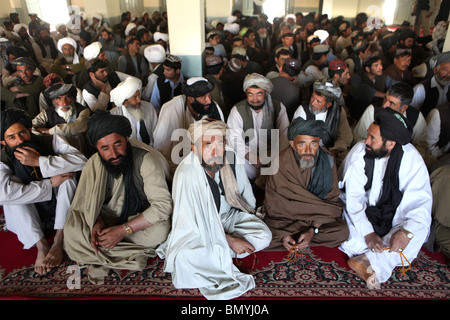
column 231, row 19
column 19, row 26
column 160, row 36
column 98, row 16
column 231, row 28
column 155, row 53
column 256, row 79
column 73, row 43
column 125, row 90
column 322, row 34
column 92, row 51
column 129, row 27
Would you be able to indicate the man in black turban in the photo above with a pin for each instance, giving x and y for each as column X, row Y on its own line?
column 302, row 198
column 387, row 196
column 37, row 183
column 122, row 190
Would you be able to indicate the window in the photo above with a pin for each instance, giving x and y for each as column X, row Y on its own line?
column 50, row 11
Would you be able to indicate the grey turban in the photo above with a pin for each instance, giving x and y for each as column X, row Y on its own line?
column 327, row 89
column 60, row 89
column 393, row 126
column 443, row 57
column 314, row 128
column 101, row 123
column 256, row 79
column 24, row 61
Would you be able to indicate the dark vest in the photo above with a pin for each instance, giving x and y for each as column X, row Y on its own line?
column 131, row 70
column 165, row 90
column 53, row 117
column 444, row 136
column 431, row 97
column 113, row 80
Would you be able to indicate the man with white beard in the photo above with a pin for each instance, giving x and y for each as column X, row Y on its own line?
column 142, row 115
column 68, row 63
column 65, row 117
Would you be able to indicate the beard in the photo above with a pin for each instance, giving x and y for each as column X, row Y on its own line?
column 218, row 164
column 305, row 164
column 442, row 81
column 257, row 107
column 65, row 114
column 317, row 111
column 377, row 153
column 137, row 113
column 69, row 60
column 124, row 167
column 202, row 108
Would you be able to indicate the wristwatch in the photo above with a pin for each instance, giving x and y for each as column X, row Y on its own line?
column 408, row 234
column 316, row 230
column 128, row 229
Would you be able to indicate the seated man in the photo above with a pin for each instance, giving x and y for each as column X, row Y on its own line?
column 141, row 114
column 251, row 122
column 37, row 185
column 213, row 219
column 132, row 62
column 398, row 98
column 121, row 210
column 438, row 131
column 368, row 86
column 64, row 117
column 24, row 92
column 387, row 199
column 302, row 199
column 69, row 64
column 324, row 105
column 193, row 105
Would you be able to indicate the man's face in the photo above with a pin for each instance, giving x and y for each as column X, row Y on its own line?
column 112, row 148
column 134, row 101
column 256, row 97
column 280, row 60
column 408, row 42
column 44, row 34
column 16, row 135
column 443, row 73
column 101, row 74
column 287, row 41
column 201, row 105
column 68, row 51
column 25, row 73
column 63, row 102
column 343, row 79
column 402, row 63
column 376, row 68
column 212, row 152
column 106, row 36
column 394, row 103
column 318, row 104
column 134, row 46
column 306, row 149
column 214, row 40
column 102, row 56
column 375, row 145
column 170, row 73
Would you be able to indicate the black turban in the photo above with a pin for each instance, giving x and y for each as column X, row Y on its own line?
column 314, row 128
column 393, row 126
column 14, row 115
column 197, row 87
column 101, row 123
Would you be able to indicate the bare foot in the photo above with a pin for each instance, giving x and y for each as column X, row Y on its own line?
column 43, row 249
column 360, row 265
column 55, row 255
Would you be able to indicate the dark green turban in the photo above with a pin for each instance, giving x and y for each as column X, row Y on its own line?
column 314, row 128
column 393, row 126
column 11, row 116
column 102, row 123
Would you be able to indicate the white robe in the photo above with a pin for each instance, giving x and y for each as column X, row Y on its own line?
column 18, row 199
column 174, row 115
column 196, row 251
column 413, row 212
column 150, row 120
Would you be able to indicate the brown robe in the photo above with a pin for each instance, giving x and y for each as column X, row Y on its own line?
column 292, row 209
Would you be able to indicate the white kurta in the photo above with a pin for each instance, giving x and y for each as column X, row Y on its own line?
column 174, row 115
column 17, row 199
column 237, row 142
column 196, row 251
column 413, row 212
column 150, row 120
column 433, row 133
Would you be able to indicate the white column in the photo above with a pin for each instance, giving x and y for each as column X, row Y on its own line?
column 186, row 21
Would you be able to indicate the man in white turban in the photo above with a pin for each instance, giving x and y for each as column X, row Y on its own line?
column 258, row 126
column 141, row 114
column 68, row 63
column 214, row 218
column 155, row 55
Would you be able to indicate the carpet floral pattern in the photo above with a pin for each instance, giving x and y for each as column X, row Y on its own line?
column 308, row 276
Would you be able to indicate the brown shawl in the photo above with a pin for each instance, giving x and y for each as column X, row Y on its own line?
column 290, row 206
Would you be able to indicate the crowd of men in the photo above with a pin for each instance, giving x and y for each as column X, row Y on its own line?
column 307, row 131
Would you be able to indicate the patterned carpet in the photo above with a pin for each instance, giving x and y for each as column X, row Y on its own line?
column 311, row 276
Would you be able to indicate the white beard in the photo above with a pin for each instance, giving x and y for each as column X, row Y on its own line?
column 69, row 60
column 137, row 113
column 66, row 115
